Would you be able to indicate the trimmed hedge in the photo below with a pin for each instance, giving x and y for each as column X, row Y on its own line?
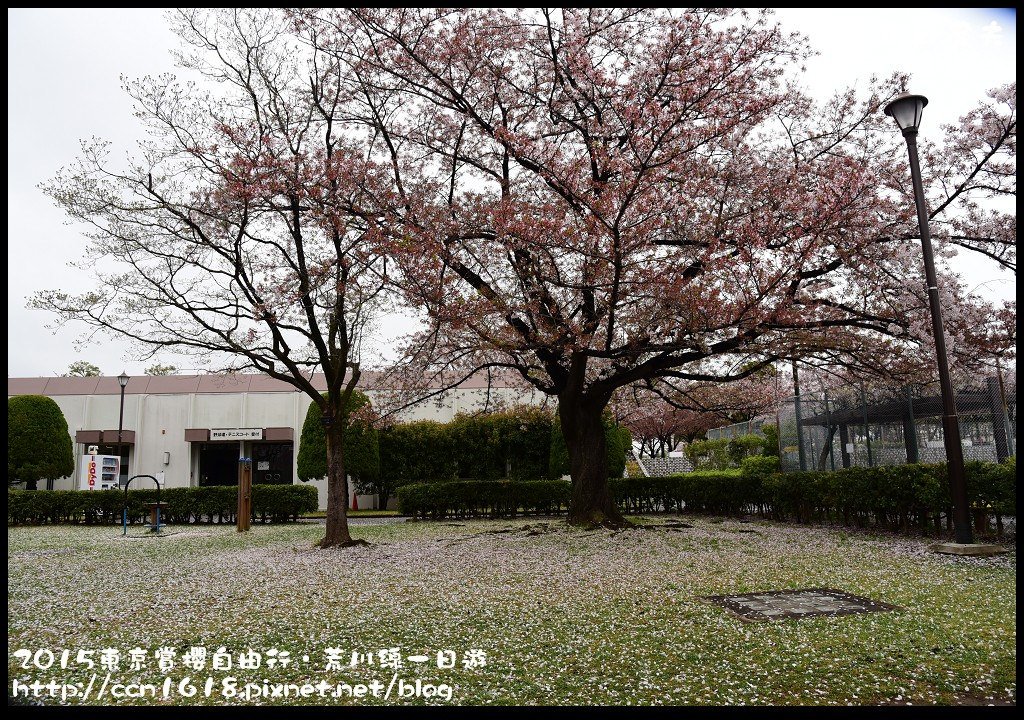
column 720, row 493
column 420, row 451
column 484, row 498
column 270, row 503
column 521, row 444
column 512, row 445
column 900, row 496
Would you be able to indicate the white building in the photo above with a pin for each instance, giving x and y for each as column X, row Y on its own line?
column 191, row 430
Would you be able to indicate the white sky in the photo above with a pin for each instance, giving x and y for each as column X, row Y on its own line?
column 64, row 65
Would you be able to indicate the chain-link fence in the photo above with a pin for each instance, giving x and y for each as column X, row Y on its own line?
column 750, row 427
column 869, row 425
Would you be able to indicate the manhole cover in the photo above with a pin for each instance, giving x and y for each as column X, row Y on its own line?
column 783, row 604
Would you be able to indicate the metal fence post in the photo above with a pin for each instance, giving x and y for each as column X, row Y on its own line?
column 910, row 429
column 1011, row 435
column 999, row 424
column 828, row 434
column 867, row 430
column 799, row 429
column 844, row 442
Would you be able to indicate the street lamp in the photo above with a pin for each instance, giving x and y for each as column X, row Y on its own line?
column 122, row 380
column 906, row 111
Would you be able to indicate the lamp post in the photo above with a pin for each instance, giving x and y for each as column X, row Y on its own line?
column 122, row 380
column 906, row 111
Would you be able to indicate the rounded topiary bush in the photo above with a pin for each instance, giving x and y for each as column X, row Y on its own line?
column 38, row 442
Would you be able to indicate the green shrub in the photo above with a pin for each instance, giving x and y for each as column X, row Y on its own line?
column 992, row 486
column 707, row 454
column 724, row 453
column 362, row 452
column 760, row 467
column 484, row 498
column 38, row 441
column 281, row 503
column 493, row 446
column 417, row 452
column 712, row 492
column 733, row 472
column 771, row 439
column 900, row 496
column 273, row 503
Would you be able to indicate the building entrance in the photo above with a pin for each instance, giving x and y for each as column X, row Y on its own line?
column 218, row 464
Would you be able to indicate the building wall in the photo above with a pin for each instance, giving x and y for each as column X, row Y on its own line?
column 159, row 421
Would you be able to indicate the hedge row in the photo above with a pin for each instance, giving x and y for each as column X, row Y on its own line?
column 721, row 493
column 484, row 498
column 273, row 503
column 900, row 496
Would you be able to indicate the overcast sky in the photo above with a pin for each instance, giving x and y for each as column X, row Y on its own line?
column 63, row 70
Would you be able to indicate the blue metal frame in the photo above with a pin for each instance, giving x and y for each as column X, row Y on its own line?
column 124, row 512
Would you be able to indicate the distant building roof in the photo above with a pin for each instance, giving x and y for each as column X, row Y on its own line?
column 212, row 383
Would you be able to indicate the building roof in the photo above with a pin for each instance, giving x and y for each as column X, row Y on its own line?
column 212, row 383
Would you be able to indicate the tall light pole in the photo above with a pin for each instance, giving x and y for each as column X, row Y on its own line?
column 906, row 110
column 122, row 380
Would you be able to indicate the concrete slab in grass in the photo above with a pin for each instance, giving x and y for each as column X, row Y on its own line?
column 796, row 604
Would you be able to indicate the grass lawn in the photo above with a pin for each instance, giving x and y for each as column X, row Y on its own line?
column 321, row 514
column 563, row 616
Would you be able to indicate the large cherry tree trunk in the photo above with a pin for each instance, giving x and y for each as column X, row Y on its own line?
column 337, row 488
column 592, row 502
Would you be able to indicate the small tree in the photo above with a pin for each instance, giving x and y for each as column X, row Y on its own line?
column 38, row 441
column 81, row 368
column 362, row 454
column 243, row 233
column 159, row 369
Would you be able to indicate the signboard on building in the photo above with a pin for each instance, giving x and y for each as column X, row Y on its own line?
column 99, row 472
column 236, row 434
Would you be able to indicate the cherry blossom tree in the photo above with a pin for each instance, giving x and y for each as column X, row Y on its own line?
column 662, row 413
column 978, row 158
column 588, row 198
column 658, row 426
column 599, row 197
column 237, row 234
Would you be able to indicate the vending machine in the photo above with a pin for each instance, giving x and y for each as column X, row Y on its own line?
column 100, row 472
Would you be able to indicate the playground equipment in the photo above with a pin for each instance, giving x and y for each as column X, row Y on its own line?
column 154, row 508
